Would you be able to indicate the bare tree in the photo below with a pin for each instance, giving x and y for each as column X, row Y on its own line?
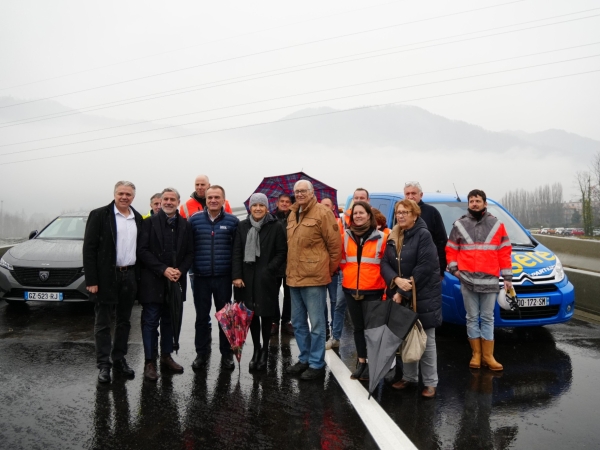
column 584, row 183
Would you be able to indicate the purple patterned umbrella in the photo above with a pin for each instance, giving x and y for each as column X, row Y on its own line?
column 273, row 187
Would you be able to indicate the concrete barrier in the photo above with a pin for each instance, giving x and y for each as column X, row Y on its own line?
column 581, row 260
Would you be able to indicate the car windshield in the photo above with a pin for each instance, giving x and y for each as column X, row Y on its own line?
column 451, row 211
column 64, row 228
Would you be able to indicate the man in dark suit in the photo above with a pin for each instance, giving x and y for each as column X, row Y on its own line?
column 109, row 261
column 166, row 252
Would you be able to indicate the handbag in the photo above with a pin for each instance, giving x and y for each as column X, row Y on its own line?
column 414, row 344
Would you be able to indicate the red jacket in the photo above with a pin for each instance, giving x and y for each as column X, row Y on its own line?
column 480, row 251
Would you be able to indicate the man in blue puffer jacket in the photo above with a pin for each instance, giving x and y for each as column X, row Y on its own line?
column 213, row 230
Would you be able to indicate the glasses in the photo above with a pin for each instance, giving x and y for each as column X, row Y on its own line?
column 403, row 213
column 301, row 192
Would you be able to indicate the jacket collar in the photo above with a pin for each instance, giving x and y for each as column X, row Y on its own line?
column 296, row 207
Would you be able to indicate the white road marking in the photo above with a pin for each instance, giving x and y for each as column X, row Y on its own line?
column 384, row 430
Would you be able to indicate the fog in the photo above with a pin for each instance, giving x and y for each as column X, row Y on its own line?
column 450, row 100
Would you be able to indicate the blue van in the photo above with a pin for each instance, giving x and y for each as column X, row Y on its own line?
column 543, row 290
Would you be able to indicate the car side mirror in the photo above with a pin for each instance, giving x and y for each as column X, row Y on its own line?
column 33, row 234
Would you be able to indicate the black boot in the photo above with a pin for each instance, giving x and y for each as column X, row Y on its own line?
column 262, row 361
column 360, row 368
column 254, row 360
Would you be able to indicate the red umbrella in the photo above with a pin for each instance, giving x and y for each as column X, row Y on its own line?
column 234, row 319
column 273, row 187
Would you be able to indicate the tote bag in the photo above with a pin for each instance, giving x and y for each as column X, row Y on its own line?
column 413, row 345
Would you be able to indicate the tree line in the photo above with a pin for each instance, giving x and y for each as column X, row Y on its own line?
column 15, row 225
column 545, row 207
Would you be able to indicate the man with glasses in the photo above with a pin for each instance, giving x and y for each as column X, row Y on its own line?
column 433, row 220
column 314, row 254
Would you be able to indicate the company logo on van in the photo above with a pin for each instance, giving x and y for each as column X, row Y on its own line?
column 534, row 263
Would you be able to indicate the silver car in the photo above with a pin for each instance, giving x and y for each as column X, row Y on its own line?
column 49, row 266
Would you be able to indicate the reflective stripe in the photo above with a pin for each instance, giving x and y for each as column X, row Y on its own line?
column 351, row 259
column 452, row 245
column 185, row 210
column 505, row 244
column 467, row 247
column 463, row 231
column 370, row 260
column 489, row 280
column 492, row 232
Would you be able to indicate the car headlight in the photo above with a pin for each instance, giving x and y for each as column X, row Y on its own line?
column 559, row 272
column 5, row 264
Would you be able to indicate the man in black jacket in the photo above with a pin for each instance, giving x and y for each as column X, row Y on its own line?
column 109, row 261
column 284, row 201
column 166, row 251
column 433, row 220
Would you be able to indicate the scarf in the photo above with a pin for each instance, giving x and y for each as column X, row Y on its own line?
column 478, row 214
column 360, row 230
column 252, row 250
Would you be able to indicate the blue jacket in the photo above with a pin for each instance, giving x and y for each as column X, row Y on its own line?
column 213, row 243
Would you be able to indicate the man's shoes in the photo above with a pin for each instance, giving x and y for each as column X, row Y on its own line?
column 297, row 368
column 403, row 384
column 254, row 360
column 227, row 362
column 274, row 329
column 104, row 375
column 428, row 392
column 167, row 361
column 332, row 343
column 360, row 368
column 312, row 374
column 121, row 365
column 150, row 371
column 288, row 328
column 262, row 360
column 200, row 361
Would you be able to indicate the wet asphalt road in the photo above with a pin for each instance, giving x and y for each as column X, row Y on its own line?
column 49, row 398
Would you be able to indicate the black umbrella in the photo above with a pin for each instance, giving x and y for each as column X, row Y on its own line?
column 386, row 325
column 174, row 298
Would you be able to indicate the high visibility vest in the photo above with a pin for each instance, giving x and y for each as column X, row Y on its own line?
column 365, row 276
column 192, row 206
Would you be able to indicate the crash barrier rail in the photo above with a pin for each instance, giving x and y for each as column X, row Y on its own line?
column 581, row 260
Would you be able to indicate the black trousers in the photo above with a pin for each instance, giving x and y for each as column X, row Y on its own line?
column 105, row 350
column 286, row 314
column 355, row 309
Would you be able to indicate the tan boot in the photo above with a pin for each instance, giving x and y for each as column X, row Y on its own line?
column 476, row 358
column 488, row 355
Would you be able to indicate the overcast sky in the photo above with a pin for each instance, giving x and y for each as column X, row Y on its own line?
column 85, row 54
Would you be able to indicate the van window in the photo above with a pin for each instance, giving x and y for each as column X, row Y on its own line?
column 383, row 205
column 451, row 211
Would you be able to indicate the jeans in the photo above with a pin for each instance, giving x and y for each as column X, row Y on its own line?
column 480, row 313
column 308, row 303
column 355, row 308
column 427, row 364
column 206, row 289
column 154, row 314
column 338, row 306
column 286, row 314
column 127, row 288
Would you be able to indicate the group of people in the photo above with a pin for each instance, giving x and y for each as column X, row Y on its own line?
column 301, row 246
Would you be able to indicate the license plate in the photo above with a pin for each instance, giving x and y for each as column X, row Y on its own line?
column 44, row 296
column 531, row 302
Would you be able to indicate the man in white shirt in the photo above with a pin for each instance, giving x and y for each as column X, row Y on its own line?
column 109, row 261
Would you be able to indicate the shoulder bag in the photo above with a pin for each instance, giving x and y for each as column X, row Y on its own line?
column 414, row 344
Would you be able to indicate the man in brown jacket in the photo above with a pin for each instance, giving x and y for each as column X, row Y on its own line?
column 314, row 254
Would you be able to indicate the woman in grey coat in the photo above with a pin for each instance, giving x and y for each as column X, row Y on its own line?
column 259, row 252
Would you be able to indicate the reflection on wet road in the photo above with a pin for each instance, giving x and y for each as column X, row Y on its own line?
column 545, row 398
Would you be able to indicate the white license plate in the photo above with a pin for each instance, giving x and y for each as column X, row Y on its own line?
column 531, row 302
column 44, row 296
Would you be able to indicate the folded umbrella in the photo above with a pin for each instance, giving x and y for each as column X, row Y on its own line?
column 174, row 298
column 234, row 319
column 386, row 325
